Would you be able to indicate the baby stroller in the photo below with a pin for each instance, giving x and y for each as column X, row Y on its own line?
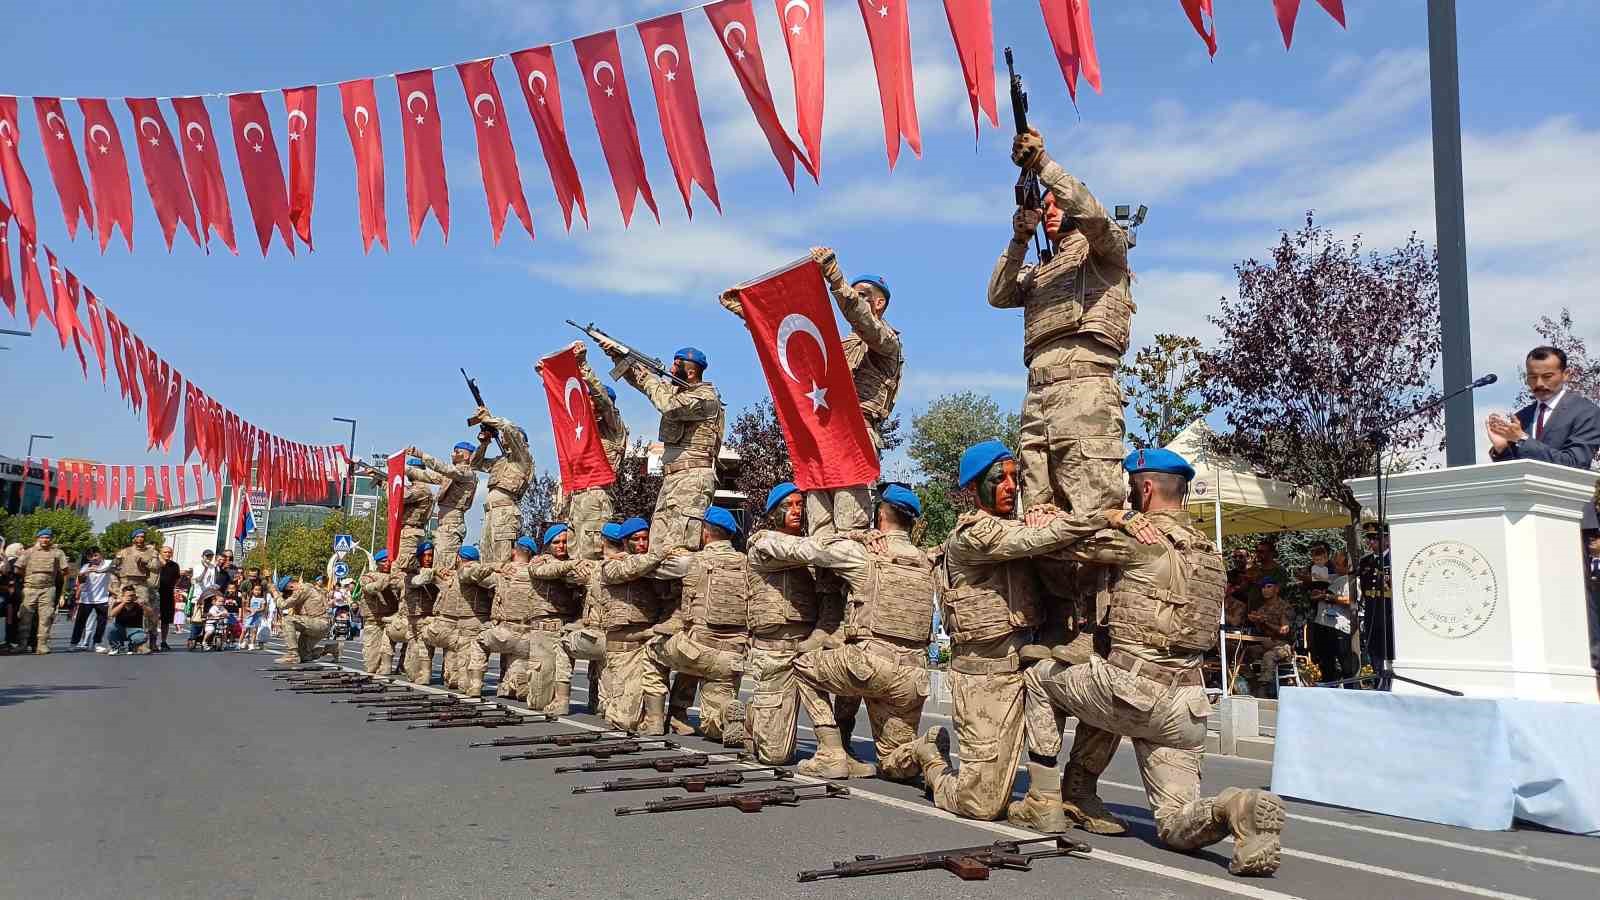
column 216, row 634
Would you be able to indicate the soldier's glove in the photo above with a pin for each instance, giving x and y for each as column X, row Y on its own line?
column 422, row 579
column 730, row 302
column 1027, row 150
column 1136, row 524
column 1024, row 223
column 829, row 261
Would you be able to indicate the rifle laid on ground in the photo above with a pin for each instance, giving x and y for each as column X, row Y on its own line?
column 695, row 783
column 301, row 667
column 443, row 713
column 656, row 763
column 601, row 750
column 966, row 863
column 411, row 698
column 1030, row 194
column 321, row 675
column 630, row 356
column 496, row 721
column 559, row 739
column 743, row 801
column 410, row 703
column 354, row 687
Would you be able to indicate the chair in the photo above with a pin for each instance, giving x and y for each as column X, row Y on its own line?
column 1289, row 672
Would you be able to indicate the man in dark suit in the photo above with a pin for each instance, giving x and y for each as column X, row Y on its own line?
column 1560, row 427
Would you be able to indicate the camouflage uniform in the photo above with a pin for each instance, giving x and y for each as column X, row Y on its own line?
column 1165, row 602
column 509, row 475
column 137, row 569
column 465, row 598
column 405, row 627
column 40, row 572
column 991, row 602
column 711, row 648
column 380, row 606
column 1270, row 617
column 886, row 640
column 591, row 508
column 416, row 508
column 691, row 436
column 783, row 612
column 511, row 622
column 633, row 688
column 457, row 485
column 305, row 623
column 553, row 600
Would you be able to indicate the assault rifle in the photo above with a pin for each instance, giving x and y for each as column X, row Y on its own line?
column 495, row 721
column 560, row 739
column 301, row 667
column 743, row 801
column 657, row 763
column 695, row 783
column 603, row 750
column 966, row 863
column 1030, row 195
column 410, row 698
column 444, row 713
column 324, row 675
column 355, row 687
column 477, row 397
column 403, row 703
column 629, row 355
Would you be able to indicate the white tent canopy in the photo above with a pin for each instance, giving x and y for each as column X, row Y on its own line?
column 1235, row 500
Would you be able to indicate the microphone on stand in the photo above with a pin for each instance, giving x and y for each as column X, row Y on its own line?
column 1486, row 380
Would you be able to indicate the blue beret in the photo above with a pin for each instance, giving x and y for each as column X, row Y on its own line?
column 631, row 527
column 690, row 354
column 425, row 545
column 527, row 544
column 1158, row 460
column 610, row 392
column 776, row 495
column 46, row 532
column 136, row 532
column 721, row 518
column 902, row 498
column 465, row 445
column 416, row 460
column 553, row 532
column 977, row 459
column 468, row 552
column 380, row 556
column 876, row 281
column 612, row 531
column 283, row 583
column 1269, row 578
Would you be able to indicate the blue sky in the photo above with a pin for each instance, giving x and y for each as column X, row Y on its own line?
column 1225, row 152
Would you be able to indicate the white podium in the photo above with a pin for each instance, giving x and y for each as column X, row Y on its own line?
column 1488, row 579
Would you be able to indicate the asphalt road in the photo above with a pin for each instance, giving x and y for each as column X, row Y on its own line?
column 187, row 775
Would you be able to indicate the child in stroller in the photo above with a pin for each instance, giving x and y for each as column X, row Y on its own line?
column 217, row 625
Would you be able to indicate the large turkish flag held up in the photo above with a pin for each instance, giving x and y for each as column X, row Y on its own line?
column 803, row 34
column 108, row 171
column 396, row 471
column 735, row 22
column 789, row 316
column 678, row 106
column 426, row 187
column 204, row 165
column 601, row 61
column 536, row 72
column 63, row 159
column 497, row 160
column 578, row 449
column 359, row 107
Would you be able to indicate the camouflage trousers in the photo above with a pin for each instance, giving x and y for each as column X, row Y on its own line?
column 988, row 723
column 892, row 681
column 1269, row 657
column 840, row 509
column 682, row 494
column 549, row 664
column 448, row 538
column 510, row 640
column 406, row 559
column 587, row 511
column 1167, row 725
column 418, row 660
column 1071, row 445
column 631, row 674
column 501, row 525
column 464, row 661
column 38, row 613
column 774, row 711
column 377, row 649
column 301, row 634
column 714, row 664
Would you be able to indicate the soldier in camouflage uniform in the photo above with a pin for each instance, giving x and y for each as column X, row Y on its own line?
column 559, row 582
column 457, row 484
column 691, row 437
column 509, row 475
column 380, row 606
column 886, row 631
column 1271, row 619
column 405, row 627
column 42, row 569
column 416, row 508
column 1165, row 602
column 137, row 566
column 991, row 598
column 512, row 619
column 627, row 600
column 303, row 610
column 589, row 509
column 465, row 599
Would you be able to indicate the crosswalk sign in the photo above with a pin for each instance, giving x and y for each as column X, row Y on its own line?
column 343, row 543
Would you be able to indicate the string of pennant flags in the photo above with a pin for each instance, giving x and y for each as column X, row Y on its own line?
column 80, row 483
column 183, row 167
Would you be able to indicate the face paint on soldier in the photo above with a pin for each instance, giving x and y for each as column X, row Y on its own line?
column 686, row 370
column 997, row 489
column 558, row 545
column 639, row 543
column 791, row 514
column 426, row 558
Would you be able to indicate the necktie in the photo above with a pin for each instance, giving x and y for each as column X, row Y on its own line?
column 1538, row 426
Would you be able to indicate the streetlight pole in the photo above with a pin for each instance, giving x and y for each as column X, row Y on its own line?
column 39, row 437
column 349, row 454
column 15, row 332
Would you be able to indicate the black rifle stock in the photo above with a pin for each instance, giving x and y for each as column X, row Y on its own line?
column 598, row 751
column 656, row 763
column 966, row 863
column 629, row 355
column 510, row 720
column 559, row 739
column 695, row 783
column 743, row 801
column 1030, row 195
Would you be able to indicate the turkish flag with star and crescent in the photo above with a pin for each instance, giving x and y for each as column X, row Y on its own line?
column 396, row 471
column 601, row 61
column 204, row 166
column 497, row 159
column 581, row 456
column 163, row 173
column 735, row 22
column 797, row 341
column 426, row 187
column 8, row 287
column 108, row 171
column 889, row 35
column 536, row 72
column 359, row 106
column 803, row 34
column 678, row 106
column 301, row 103
column 18, row 187
column 63, row 160
column 261, row 169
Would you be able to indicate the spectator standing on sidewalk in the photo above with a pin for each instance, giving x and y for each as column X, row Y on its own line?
column 166, row 596
column 94, row 599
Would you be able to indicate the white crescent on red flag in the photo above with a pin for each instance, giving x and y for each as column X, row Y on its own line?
column 396, row 472
column 301, row 129
column 972, row 28
column 18, row 188
column 204, row 167
column 735, row 24
column 889, row 34
column 497, row 159
column 601, row 62
column 163, row 173
column 426, row 186
column 579, row 452
column 108, row 171
column 790, row 317
column 261, row 168
column 358, row 106
column 666, row 48
column 63, row 160
column 536, row 74
column 803, row 35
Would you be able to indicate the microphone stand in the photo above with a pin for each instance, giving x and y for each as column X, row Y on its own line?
column 1379, row 437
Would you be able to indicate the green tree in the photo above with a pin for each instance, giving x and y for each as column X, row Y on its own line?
column 758, row 439
column 73, row 532
column 950, row 425
column 302, row 549
column 634, row 492
column 120, row 534
column 538, row 506
column 1163, row 390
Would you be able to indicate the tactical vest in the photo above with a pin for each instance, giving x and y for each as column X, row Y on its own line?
column 310, row 601
column 698, row 438
column 715, row 592
column 455, row 497
column 1172, row 601
column 378, row 595
column 554, row 597
column 416, row 507
column 782, row 598
column 877, row 377
column 513, row 595
column 899, row 599
column 630, row 603
column 40, row 568
column 418, row 600
column 128, row 564
column 994, row 600
column 509, row 477
column 1074, row 293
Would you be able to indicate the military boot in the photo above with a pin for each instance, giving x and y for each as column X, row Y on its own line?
column 1040, row 808
column 933, row 748
column 561, row 703
column 858, row 769
column 829, row 761
column 1032, row 653
column 655, row 714
column 1074, row 652
column 734, row 733
column 1081, row 803
column 1256, row 819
